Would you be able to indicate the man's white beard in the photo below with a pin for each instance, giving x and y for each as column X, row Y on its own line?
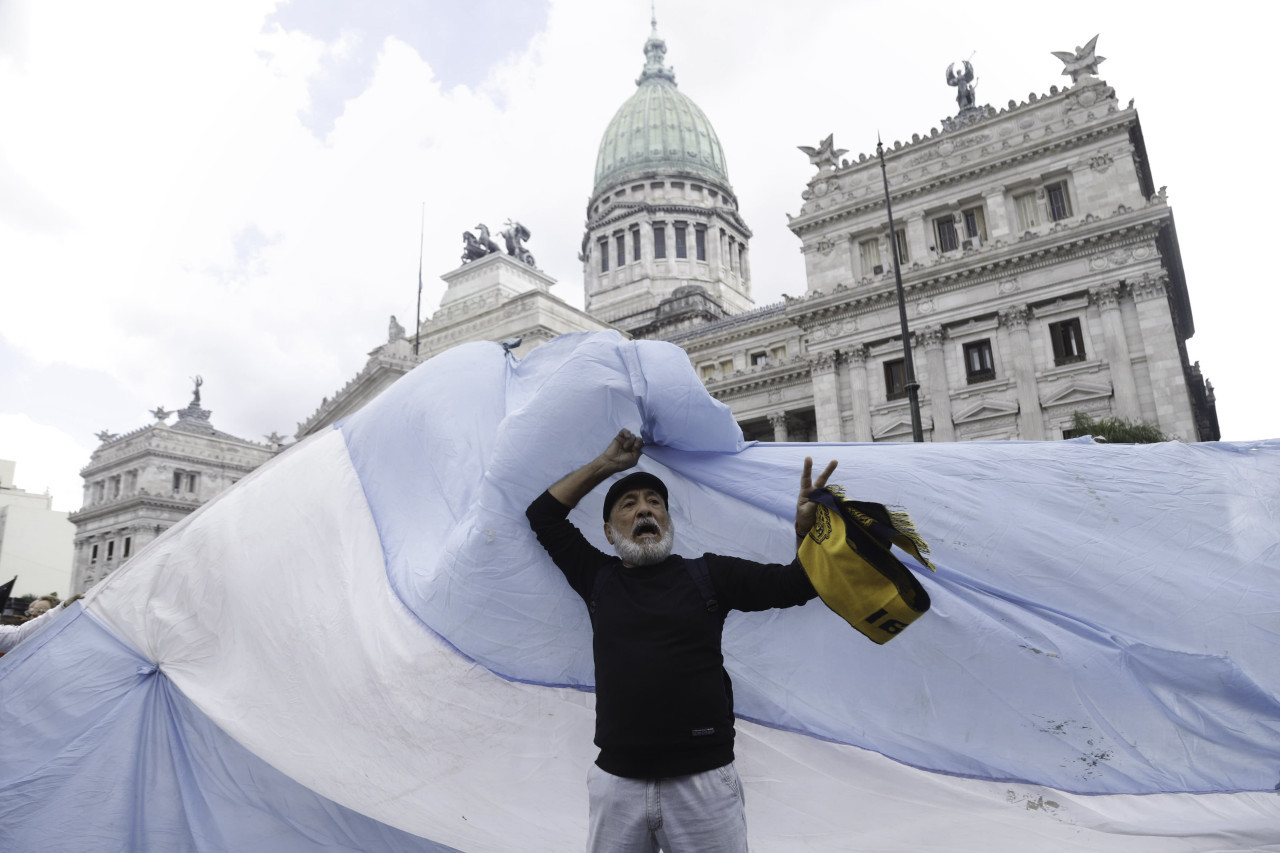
column 646, row 553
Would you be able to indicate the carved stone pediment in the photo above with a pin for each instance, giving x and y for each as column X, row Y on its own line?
column 982, row 410
column 898, row 425
column 1074, row 391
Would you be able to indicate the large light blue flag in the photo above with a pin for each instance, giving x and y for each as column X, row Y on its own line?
column 362, row 647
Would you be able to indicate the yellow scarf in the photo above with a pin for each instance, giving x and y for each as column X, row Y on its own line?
column 848, row 560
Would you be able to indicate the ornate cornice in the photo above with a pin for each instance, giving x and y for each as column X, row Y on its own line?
column 823, row 362
column 146, row 452
column 1106, row 297
column 931, row 337
column 997, row 261
column 1016, row 318
column 138, row 499
column 849, row 206
column 794, row 371
column 1149, row 287
column 624, row 210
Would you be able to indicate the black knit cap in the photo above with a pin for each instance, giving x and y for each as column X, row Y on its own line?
column 629, row 483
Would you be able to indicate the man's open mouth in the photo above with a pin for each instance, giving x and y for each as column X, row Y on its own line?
column 643, row 527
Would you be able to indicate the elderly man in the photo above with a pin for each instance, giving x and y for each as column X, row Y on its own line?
column 665, row 776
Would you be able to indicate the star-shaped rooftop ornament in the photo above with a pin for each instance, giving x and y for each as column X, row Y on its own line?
column 1083, row 63
column 160, row 413
column 106, row 435
column 826, row 156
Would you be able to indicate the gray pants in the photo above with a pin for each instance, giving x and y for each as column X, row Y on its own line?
column 702, row 813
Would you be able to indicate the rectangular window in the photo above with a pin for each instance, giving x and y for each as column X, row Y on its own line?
column 659, row 241
column 870, row 252
column 733, row 251
column 1059, row 202
column 622, row 249
column 114, row 485
column 900, row 245
column 128, row 546
column 975, row 226
column 945, row 228
column 111, row 549
column 708, row 371
column 1068, row 342
column 93, row 555
column 1028, row 214
column 177, row 481
column 131, row 481
column 726, row 366
column 979, row 366
column 700, row 243
column 682, row 249
column 759, row 358
column 635, row 244
column 604, row 256
column 778, row 353
column 191, row 482
column 895, row 379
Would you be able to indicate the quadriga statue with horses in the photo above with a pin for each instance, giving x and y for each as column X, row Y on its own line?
column 476, row 247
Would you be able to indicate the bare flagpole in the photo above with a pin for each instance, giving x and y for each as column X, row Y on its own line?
column 908, row 367
column 417, row 326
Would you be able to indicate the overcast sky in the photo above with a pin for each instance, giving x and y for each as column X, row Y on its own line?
column 234, row 189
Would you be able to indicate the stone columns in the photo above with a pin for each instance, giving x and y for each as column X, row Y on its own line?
column 1030, row 417
column 715, row 261
column 1124, row 387
column 860, row 394
column 646, row 248
column 917, row 238
column 826, row 395
column 996, row 211
column 778, row 420
column 1168, row 382
column 939, row 391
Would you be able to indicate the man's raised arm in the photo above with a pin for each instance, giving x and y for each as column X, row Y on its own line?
column 622, row 453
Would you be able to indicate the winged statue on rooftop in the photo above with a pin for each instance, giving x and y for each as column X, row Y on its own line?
column 826, row 156
column 1083, row 62
column 963, row 81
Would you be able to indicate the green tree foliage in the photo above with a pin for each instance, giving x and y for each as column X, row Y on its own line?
column 1117, row 430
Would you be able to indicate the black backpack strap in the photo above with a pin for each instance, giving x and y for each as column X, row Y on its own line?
column 702, row 579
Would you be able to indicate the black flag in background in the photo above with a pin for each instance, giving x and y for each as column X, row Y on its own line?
column 5, row 589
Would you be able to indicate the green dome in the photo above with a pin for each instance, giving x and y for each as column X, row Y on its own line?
column 659, row 129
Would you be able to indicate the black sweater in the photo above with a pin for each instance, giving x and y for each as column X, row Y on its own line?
column 664, row 703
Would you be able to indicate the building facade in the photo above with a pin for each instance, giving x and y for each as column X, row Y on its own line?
column 35, row 539
column 140, row 484
column 1041, row 274
column 493, row 297
column 1039, row 263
